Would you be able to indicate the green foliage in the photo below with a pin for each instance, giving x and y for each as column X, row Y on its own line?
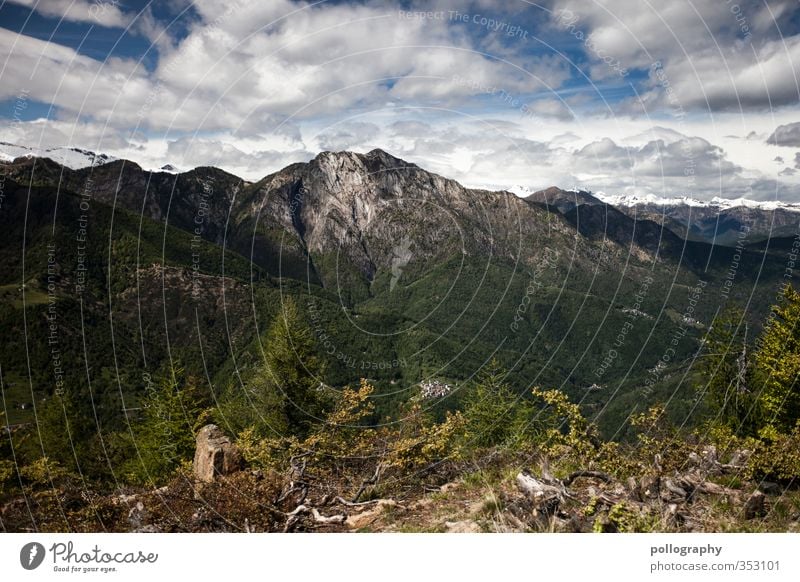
column 657, row 436
column 165, row 435
column 778, row 360
column 7, row 473
column 340, row 436
column 43, row 472
column 493, row 413
column 419, row 441
column 285, row 394
column 758, row 394
column 564, row 431
column 343, row 451
column 727, row 372
column 258, row 407
column 622, row 518
column 777, row 458
column 65, row 430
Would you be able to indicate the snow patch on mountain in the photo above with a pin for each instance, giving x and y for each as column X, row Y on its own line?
column 629, row 201
column 521, row 191
column 525, row 191
column 73, row 158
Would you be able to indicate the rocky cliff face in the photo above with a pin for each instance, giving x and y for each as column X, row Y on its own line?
column 364, row 209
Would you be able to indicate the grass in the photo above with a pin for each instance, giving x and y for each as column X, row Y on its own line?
column 16, row 391
column 12, row 294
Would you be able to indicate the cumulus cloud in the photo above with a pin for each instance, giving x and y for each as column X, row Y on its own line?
column 192, row 152
column 277, row 58
column 786, row 135
column 714, row 55
column 347, row 136
column 56, row 74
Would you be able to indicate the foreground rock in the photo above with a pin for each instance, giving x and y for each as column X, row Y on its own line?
column 215, row 455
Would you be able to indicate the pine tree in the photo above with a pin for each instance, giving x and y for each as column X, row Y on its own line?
column 778, row 362
column 493, row 412
column 727, row 369
column 292, row 362
column 283, row 395
column 64, row 430
column 165, row 436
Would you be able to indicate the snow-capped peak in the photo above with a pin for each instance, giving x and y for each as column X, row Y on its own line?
column 73, row 158
column 521, row 191
column 630, row 200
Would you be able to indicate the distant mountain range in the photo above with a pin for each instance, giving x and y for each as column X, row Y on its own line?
column 403, row 276
column 718, row 221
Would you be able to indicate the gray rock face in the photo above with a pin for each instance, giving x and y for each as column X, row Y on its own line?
column 361, row 208
column 215, row 454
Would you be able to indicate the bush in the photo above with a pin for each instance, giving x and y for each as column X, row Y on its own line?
column 658, row 436
column 7, row 473
column 777, row 458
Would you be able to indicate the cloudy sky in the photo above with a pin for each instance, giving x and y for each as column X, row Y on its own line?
column 672, row 97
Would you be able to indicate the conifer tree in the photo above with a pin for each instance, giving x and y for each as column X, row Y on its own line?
column 778, row 361
column 165, row 435
column 493, row 412
column 727, row 369
column 284, row 394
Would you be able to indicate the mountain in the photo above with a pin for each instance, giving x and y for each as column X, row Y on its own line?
column 561, row 200
column 73, row 158
column 401, row 274
column 718, row 221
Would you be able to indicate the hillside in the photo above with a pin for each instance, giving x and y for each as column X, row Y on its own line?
column 140, row 307
column 403, row 274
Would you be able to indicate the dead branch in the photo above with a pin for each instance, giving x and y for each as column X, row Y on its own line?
column 343, row 501
column 546, row 498
column 367, row 482
column 319, row 518
column 605, row 477
column 301, row 488
column 298, row 512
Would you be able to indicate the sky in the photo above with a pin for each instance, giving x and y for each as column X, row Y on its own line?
column 697, row 98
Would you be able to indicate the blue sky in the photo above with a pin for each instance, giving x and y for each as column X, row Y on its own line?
column 560, row 92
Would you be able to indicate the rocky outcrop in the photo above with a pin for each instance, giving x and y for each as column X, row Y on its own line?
column 215, row 455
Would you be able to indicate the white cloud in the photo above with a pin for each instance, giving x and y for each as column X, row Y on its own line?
column 786, row 135
column 103, row 13
column 715, row 54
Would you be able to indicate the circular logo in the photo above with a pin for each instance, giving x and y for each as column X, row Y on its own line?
column 31, row 555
